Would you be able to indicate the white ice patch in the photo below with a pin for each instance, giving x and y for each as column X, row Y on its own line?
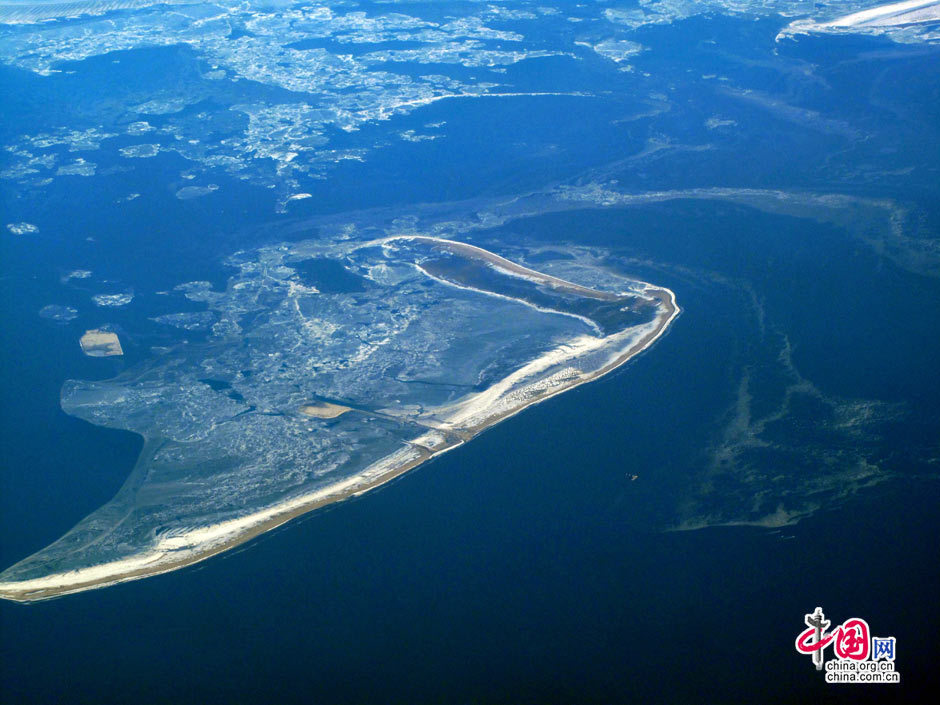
column 75, row 274
column 616, row 50
column 113, row 300
column 22, row 228
column 188, row 192
column 57, row 312
column 77, row 168
column 141, row 151
column 713, row 123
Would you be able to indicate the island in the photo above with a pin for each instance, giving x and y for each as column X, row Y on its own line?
column 323, row 389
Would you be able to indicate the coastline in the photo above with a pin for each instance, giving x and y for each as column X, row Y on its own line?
column 176, row 551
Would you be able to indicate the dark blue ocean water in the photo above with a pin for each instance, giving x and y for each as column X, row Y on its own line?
column 526, row 566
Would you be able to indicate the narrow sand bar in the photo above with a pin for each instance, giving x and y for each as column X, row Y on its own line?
column 179, row 550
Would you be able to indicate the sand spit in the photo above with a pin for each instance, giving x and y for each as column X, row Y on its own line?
column 507, row 266
column 882, row 17
column 460, row 422
column 893, row 14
